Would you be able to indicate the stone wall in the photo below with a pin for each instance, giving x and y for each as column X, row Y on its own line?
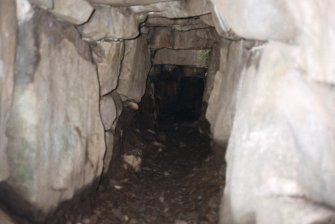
column 55, row 135
column 272, row 103
column 194, row 58
column 60, row 123
column 135, row 69
column 281, row 145
column 7, row 63
column 213, row 66
column 108, row 57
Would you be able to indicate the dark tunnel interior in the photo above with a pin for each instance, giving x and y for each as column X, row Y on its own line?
column 177, row 92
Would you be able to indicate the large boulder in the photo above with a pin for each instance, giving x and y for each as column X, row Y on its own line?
column 112, row 23
column 134, row 70
column 74, row 11
column 281, row 149
column 55, row 135
column 195, row 58
column 316, row 22
column 108, row 111
column 256, row 19
column 108, row 57
column 214, row 62
column 174, row 9
column 221, row 104
column 109, row 138
column 163, row 37
column 281, row 145
column 7, row 61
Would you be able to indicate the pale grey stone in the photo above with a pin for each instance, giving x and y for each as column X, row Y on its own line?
column 184, row 24
column 214, row 61
column 315, row 35
column 221, row 105
column 282, row 140
column 109, row 56
column 74, row 11
column 118, row 106
column 7, row 62
column 196, row 58
column 55, row 135
column 107, row 111
column 256, row 19
column 113, row 114
column 44, row 4
column 207, row 19
column 294, row 210
column 24, row 11
column 163, row 37
column 174, row 9
column 112, row 23
column 109, row 138
column 135, row 69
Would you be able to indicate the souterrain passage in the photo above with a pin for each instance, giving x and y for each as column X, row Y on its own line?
column 177, row 181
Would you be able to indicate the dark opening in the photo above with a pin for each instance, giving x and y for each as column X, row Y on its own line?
column 178, row 92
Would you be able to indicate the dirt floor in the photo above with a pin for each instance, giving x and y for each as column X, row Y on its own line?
column 166, row 174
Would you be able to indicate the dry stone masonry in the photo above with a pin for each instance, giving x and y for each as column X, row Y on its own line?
column 68, row 67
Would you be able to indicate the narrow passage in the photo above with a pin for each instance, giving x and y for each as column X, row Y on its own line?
column 176, row 182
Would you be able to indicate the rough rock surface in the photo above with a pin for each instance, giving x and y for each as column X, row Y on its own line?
column 293, row 211
column 135, row 68
column 55, row 135
column 107, row 111
column 118, row 105
column 113, row 114
column 218, row 21
column 174, row 9
column 222, row 101
column 214, row 61
column 196, row 58
column 283, row 131
column 112, row 23
column 258, row 19
column 309, row 25
column 316, row 32
column 7, row 63
column 162, row 37
column 45, row 4
column 74, row 11
column 108, row 57
column 282, row 141
column 184, row 24
column 207, row 19
column 128, row 2
column 109, row 138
